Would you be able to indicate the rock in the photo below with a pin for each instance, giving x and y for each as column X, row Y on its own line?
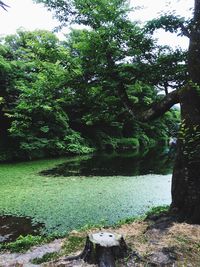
column 74, row 232
column 24, row 259
column 163, row 257
column 64, row 263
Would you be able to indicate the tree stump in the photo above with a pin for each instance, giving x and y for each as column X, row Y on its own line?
column 104, row 248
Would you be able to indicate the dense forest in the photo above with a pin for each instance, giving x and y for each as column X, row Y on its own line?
column 59, row 98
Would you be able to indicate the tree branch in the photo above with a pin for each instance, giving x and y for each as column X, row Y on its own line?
column 3, row 5
column 155, row 111
column 125, row 100
column 185, row 30
column 159, row 108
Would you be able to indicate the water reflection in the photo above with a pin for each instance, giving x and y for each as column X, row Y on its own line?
column 11, row 227
column 154, row 161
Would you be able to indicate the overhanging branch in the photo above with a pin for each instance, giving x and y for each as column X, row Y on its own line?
column 3, row 5
column 159, row 108
column 125, row 100
column 155, row 111
column 185, row 30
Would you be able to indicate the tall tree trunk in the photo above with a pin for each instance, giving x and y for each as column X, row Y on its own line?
column 186, row 175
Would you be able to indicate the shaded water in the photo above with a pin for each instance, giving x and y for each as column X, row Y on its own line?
column 11, row 227
column 157, row 162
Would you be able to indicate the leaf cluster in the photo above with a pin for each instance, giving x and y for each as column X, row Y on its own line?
column 63, row 97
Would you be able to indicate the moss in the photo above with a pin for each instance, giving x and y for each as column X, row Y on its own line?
column 23, row 243
column 190, row 137
column 46, row 258
column 73, row 243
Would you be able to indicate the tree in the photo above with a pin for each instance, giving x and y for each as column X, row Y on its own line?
column 53, row 93
column 35, row 68
column 186, row 175
column 116, row 56
column 101, row 53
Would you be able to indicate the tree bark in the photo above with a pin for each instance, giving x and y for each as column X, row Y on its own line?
column 194, row 46
column 186, row 174
column 159, row 108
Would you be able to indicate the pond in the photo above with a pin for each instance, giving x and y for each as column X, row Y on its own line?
column 128, row 164
column 71, row 196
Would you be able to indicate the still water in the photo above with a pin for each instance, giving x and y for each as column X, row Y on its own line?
column 82, row 190
column 154, row 161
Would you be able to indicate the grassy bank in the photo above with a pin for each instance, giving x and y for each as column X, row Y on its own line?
column 23, row 243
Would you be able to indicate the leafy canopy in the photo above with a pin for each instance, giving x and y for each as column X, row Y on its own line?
column 93, row 13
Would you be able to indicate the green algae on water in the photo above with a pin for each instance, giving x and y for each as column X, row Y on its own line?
column 66, row 203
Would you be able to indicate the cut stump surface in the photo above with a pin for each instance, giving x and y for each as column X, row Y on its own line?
column 103, row 248
column 105, row 239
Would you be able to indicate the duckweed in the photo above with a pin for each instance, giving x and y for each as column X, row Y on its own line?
column 66, row 203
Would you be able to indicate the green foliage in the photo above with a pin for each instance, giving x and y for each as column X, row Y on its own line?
column 127, row 221
column 157, row 210
column 168, row 22
column 60, row 98
column 38, row 121
column 119, row 144
column 23, row 243
column 90, row 12
column 189, row 136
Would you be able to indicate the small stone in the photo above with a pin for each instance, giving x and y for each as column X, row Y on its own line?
column 160, row 258
column 74, row 232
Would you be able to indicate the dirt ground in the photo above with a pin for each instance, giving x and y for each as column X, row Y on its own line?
column 158, row 241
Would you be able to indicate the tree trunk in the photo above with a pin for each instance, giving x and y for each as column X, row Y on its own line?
column 186, row 174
